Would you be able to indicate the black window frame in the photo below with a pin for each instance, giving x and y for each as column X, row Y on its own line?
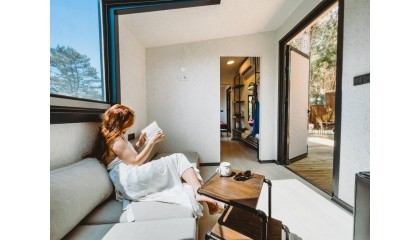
column 282, row 143
column 111, row 9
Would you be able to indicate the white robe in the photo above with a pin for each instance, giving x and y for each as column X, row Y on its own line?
column 158, row 180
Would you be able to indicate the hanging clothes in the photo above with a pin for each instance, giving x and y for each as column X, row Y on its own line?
column 256, row 127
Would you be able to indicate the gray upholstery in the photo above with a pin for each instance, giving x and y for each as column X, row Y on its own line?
column 179, row 228
column 191, row 156
column 75, row 190
column 81, row 208
column 111, row 212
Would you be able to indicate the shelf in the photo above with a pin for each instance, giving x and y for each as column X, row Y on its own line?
column 241, row 130
column 249, row 140
column 238, row 117
column 239, row 86
column 238, row 105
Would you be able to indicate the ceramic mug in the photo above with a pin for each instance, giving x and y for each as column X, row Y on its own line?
column 224, row 169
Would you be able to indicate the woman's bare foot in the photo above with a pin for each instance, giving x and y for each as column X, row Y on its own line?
column 215, row 207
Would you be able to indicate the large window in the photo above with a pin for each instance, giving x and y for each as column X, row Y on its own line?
column 84, row 53
column 75, row 50
column 77, row 79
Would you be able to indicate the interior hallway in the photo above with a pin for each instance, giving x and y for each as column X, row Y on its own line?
column 307, row 211
column 238, row 150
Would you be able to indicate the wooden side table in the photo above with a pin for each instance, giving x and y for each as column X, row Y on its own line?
column 241, row 219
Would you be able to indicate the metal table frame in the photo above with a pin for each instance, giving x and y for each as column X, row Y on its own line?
column 261, row 214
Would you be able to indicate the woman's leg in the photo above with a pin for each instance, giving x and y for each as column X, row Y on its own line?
column 190, row 177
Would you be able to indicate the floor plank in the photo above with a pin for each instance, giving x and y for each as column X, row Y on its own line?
column 317, row 168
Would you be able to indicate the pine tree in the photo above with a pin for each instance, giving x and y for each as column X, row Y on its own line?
column 320, row 43
column 72, row 75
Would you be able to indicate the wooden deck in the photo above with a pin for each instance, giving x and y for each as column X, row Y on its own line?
column 317, row 168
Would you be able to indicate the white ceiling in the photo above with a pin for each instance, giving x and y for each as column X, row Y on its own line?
column 229, row 18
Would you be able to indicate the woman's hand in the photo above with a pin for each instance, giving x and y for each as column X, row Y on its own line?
column 141, row 140
column 160, row 136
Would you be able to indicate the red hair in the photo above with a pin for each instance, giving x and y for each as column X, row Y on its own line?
column 115, row 121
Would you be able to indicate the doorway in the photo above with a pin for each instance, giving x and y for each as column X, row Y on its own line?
column 239, row 111
column 309, row 126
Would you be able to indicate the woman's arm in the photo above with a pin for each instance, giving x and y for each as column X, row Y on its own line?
column 141, row 141
column 123, row 151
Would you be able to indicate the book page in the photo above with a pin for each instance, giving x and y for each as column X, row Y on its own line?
column 151, row 131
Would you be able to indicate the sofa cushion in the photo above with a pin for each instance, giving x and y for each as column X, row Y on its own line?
column 111, row 211
column 191, row 156
column 75, row 190
column 178, row 228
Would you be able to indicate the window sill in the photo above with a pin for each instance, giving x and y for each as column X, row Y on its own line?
column 60, row 115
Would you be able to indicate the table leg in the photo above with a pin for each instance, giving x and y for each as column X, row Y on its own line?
column 269, row 196
column 210, row 236
column 264, row 221
column 286, row 230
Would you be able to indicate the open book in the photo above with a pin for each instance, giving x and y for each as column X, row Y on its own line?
column 150, row 131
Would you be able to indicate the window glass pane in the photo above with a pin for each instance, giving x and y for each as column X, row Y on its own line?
column 75, row 49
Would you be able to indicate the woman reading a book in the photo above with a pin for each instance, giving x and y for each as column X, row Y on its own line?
column 137, row 180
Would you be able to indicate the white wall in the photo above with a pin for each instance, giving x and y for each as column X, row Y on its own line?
column 133, row 77
column 68, row 142
column 226, row 79
column 355, row 124
column 301, row 11
column 188, row 111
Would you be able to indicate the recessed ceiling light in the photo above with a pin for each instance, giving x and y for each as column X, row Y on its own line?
column 230, row 62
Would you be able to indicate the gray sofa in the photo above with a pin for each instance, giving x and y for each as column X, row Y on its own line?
column 83, row 206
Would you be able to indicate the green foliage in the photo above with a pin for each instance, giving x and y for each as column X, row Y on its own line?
column 324, row 53
column 322, row 49
column 72, row 75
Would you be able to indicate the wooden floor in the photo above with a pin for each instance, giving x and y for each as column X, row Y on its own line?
column 317, row 168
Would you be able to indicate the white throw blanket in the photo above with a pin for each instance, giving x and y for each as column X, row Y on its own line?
column 158, row 180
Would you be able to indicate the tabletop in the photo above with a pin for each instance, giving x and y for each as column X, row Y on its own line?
column 228, row 190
